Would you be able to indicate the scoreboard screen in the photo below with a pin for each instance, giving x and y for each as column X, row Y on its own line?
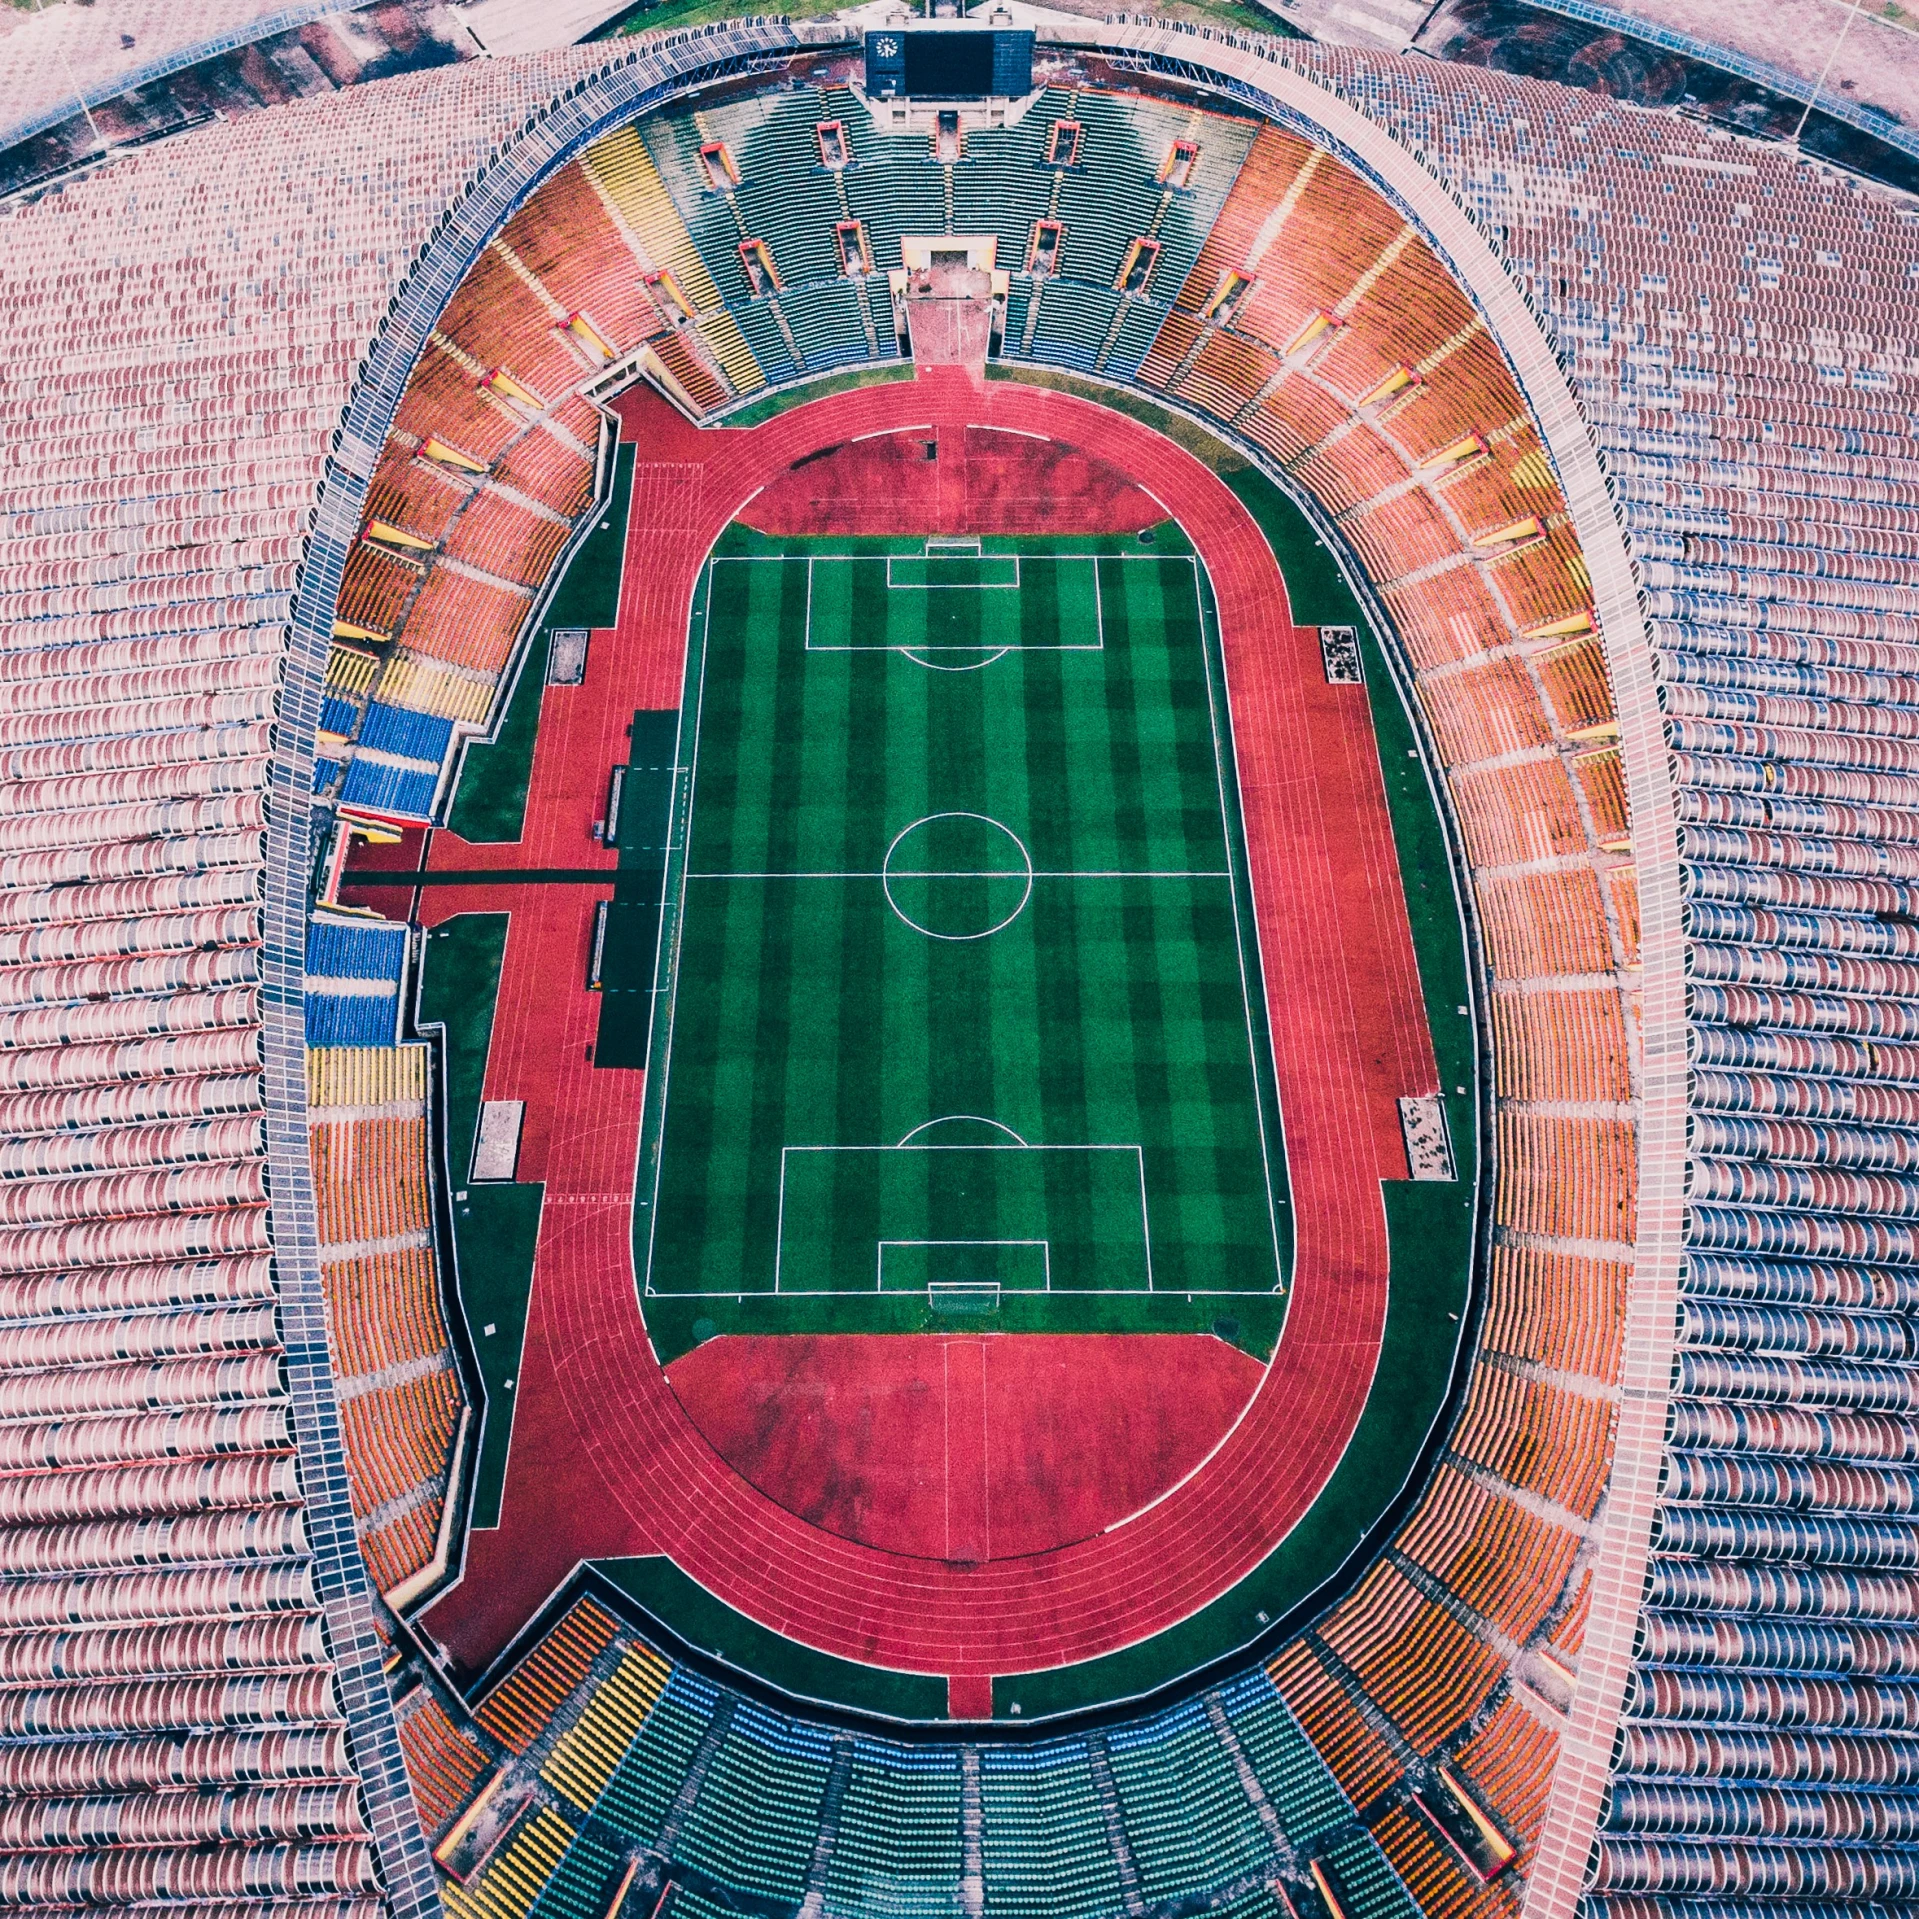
column 930, row 63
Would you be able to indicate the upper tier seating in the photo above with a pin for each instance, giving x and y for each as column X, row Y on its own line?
column 195, row 1659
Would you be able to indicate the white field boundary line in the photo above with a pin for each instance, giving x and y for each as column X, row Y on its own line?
column 951, row 586
column 1009, row 873
column 1225, row 754
column 686, row 754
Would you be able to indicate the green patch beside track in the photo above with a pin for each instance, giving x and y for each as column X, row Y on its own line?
column 489, row 803
column 494, row 1227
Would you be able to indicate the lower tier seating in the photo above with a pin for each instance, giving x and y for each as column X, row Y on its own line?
column 645, row 1775
column 403, row 1408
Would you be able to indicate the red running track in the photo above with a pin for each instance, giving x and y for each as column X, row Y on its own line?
column 605, row 1461
column 969, row 1447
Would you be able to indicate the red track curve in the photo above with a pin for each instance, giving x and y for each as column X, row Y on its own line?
column 605, row 1461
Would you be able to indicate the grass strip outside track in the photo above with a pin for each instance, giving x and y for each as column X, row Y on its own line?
column 489, row 803
column 757, row 412
column 495, row 1226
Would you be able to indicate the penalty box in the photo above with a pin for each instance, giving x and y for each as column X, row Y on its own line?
column 913, row 1218
column 950, row 598
column 952, row 601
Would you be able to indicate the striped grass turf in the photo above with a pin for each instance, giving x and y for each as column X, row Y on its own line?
column 964, row 965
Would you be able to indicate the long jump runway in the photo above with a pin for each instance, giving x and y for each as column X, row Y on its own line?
column 607, row 1460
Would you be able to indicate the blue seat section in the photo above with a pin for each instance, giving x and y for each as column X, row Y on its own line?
column 1292, row 1775
column 644, row 1785
column 1018, row 297
column 777, row 1767
column 407, row 734
column 355, row 949
column 1114, row 198
column 1074, row 321
column 337, row 715
column 396, row 761
column 1137, row 331
column 825, row 319
column 785, row 196
column 1002, row 184
column 354, row 971
column 1043, row 1835
column 583, row 1884
column 764, row 337
column 335, row 1019
column 398, row 792
column 674, row 141
column 894, row 186
column 898, row 1854
column 326, row 774
column 1187, row 1816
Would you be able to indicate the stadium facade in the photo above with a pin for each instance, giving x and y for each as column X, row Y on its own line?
column 1608, row 418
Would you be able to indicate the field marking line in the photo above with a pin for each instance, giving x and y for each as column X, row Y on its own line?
column 906, row 1139
column 1051, row 1146
column 1014, row 585
column 691, row 763
column 1240, row 1293
column 976, row 1146
column 1129, row 557
column 887, row 875
column 879, row 1266
column 917, row 656
column 1214, row 699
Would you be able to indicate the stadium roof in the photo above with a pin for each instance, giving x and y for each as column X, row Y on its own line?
column 63, row 57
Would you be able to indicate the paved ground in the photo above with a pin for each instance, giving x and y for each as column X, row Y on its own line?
column 1876, row 63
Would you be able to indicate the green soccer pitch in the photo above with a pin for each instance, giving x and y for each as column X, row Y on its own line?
column 958, row 1015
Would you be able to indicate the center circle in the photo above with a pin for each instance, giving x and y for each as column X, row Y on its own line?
column 957, row 876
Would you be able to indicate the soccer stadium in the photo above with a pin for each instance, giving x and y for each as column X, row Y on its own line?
column 955, row 965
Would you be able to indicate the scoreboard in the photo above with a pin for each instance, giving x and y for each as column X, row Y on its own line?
column 949, row 63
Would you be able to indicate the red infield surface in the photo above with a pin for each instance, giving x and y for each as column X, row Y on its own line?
column 607, row 1460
